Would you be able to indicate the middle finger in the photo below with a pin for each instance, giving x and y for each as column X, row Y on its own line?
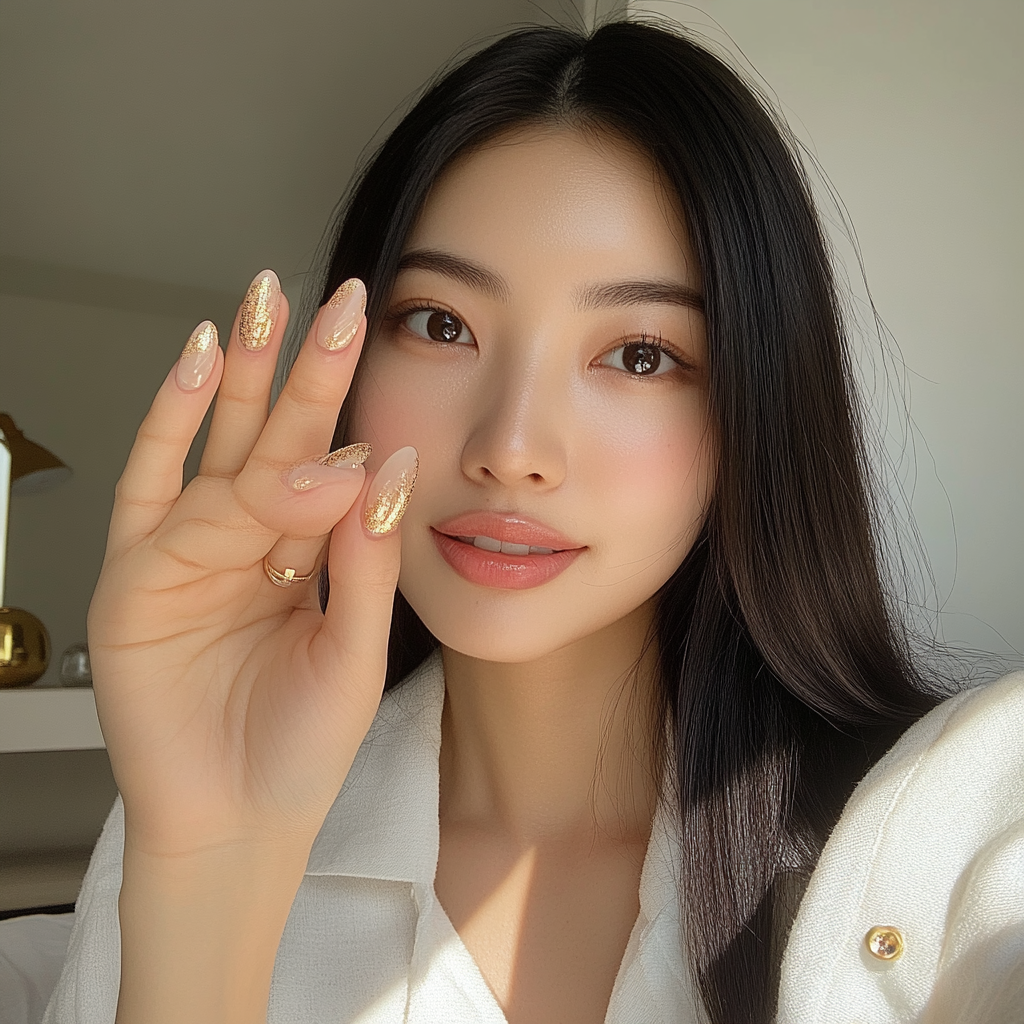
column 304, row 417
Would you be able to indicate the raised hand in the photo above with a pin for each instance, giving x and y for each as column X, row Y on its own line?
column 231, row 706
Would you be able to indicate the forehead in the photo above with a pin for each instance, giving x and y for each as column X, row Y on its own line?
column 562, row 197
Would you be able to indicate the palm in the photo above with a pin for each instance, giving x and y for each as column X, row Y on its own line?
column 231, row 707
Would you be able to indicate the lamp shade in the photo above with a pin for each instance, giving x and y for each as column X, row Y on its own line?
column 33, row 467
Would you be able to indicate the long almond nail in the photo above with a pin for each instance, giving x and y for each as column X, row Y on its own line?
column 259, row 311
column 198, row 357
column 356, row 454
column 336, row 465
column 308, row 475
column 392, row 488
column 342, row 315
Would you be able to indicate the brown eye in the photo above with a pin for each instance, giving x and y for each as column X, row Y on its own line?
column 438, row 325
column 641, row 358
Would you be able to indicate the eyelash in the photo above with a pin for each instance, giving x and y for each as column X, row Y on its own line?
column 396, row 317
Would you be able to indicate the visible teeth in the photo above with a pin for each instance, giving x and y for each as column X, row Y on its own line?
column 505, row 547
column 487, row 543
column 514, row 549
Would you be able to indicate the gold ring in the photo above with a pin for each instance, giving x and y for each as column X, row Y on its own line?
column 286, row 578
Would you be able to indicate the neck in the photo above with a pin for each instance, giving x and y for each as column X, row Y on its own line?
column 563, row 746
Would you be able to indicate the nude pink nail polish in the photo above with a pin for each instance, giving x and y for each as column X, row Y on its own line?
column 342, row 315
column 198, row 357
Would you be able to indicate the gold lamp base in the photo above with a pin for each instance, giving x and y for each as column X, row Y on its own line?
column 24, row 647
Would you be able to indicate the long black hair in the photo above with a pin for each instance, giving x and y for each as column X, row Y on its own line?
column 784, row 671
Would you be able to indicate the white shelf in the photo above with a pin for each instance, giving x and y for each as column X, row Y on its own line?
column 48, row 718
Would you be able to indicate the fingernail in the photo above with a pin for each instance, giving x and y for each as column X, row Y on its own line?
column 356, row 454
column 259, row 310
column 342, row 315
column 198, row 357
column 392, row 488
column 308, row 475
column 336, row 465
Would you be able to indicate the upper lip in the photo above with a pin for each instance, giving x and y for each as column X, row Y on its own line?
column 509, row 527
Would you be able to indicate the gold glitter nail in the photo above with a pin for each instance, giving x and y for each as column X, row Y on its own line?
column 357, row 454
column 198, row 358
column 398, row 477
column 259, row 308
column 340, row 297
column 340, row 329
column 203, row 338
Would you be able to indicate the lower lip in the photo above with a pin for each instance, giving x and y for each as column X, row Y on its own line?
column 504, row 572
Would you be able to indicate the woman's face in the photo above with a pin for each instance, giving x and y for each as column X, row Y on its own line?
column 519, row 357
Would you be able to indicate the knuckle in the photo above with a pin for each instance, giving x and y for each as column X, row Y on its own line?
column 153, row 438
column 309, row 393
column 126, row 495
column 241, row 397
column 379, row 579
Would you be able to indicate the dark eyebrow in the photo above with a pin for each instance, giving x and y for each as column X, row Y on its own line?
column 622, row 293
column 456, row 267
column 639, row 293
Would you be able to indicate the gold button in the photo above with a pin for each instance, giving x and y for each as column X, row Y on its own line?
column 884, row 942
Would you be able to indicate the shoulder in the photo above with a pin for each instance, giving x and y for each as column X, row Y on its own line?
column 973, row 739
column 931, row 844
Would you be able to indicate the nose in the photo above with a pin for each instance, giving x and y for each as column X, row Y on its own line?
column 520, row 426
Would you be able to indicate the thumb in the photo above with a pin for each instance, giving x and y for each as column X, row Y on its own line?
column 364, row 561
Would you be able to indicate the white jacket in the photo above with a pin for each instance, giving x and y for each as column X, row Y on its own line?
column 930, row 844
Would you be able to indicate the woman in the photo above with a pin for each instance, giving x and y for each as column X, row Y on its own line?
column 640, row 653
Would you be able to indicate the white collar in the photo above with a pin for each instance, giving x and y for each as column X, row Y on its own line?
column 384, row 823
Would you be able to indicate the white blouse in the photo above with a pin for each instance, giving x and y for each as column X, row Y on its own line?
column 931, row 843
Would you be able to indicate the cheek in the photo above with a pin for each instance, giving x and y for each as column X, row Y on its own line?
column 654, row 472
column 391, row 408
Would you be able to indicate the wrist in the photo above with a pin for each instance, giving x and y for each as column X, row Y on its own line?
column 200, row 932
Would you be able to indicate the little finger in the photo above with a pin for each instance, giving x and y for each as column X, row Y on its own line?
column 151, row 481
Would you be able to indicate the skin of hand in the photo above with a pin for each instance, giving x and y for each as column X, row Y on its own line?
column 231, row 708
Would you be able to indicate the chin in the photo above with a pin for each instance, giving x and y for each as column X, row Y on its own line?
column 516, row 626
column 491, row 636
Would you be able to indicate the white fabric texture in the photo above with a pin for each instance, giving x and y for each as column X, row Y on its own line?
column 32, row 952
column 932, row 842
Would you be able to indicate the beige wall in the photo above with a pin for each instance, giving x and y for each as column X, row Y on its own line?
column 81, row 356
column 78, row 378
column 913, row 109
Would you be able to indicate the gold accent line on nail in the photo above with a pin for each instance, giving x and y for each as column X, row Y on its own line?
column 203, row 338
column 256, row 320
column 338, row 341
column 387, row 511
column 355, row 453
column 340, row 297
column 341, row 338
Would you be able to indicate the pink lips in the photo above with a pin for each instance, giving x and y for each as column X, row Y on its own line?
column 514, row 529
column 494, row 568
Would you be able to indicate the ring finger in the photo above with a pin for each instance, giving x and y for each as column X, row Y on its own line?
column 243, row 399
column 295, row 560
